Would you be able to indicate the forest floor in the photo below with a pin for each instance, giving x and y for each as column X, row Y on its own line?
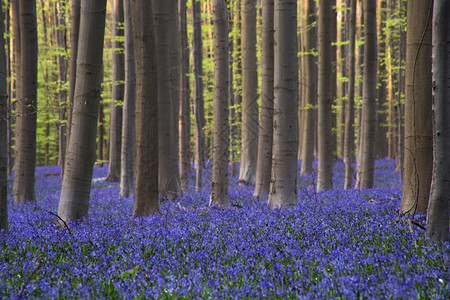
column 338, row 244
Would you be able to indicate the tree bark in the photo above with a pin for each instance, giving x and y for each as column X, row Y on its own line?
column 265, row 135
column 283, row 188
column 418, row 161
column 118, row 65
column 80, row 159
column 146, row 198
column 311, row 91
column 25, row 158
column 185, row 113
column 199, row 112
column 74, row 33
column 127, row 168
column 349, row 140
column 3, row 131
column 219, row 182
column 249, row 129
column 438, row 206
column 325, row 93
column 369, row 109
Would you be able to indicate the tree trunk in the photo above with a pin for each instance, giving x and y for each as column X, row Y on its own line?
column 185, row 113
column 118, row 65
column 311, row 92
column 283, row 188
column 369, row 109
column 265, row 138
column 219, row 182
column 60, row 22
column 3, row 131
column 418, row 161
column 198, row 93
column 349, row 140
column 25, row 162
column 325, row 93
column 360, row 122
column 127, row 168
column 146, row 198
column 74, row 33
column 175, row 90
column 438, row 206
column 249, row 129
column 168, row 185
column 80, row 159
column 342, row 63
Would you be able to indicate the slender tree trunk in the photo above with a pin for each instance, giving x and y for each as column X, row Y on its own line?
column 249, row 130
column 369, row 109
column 265, row 139
column 80, row 159
column 101, row 133
column 118, row 65
column 25, row 162
column 185, row 114
column 127, row 168
column 283, row 188
column 198, row 92
column 60, row 22
column 438, row 206
column 311, row 92
column 175, row 90
column 360, row 122
column 381, row 92
column 342, row 63
column 3, row 130
column 74, row 33
column 325, row 93
column 219, row 182
column 418, row 161
column 349, row 148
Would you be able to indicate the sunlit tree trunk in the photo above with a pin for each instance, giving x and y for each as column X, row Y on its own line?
column 325, row 93
column 185, row 112
column 438, row 207
column 146, row 198
column 118, row 65
column 249, row 129
column 199, row 112
column 283, row 188
column 127, row 168
column 265, row 135
column 311, row 91
column 369, row 109
column 80, row 158
column 219, row 182
column 3, row 130
column 349, row 149
column 60, row 22
column 74, row 33
column 418, row 161
column 25, row 158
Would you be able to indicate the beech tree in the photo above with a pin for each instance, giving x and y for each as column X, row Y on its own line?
column 118, row 65
column 3, row 130
column 127, row 168
column 283, row 188
column 325, row 94
column 249, row 130
column 25, row 157
column 265, row 135
column 219, row 182
column 418, row 156
column 369, row 94
column 146, row 197
column 80, row 158
column 438, row 206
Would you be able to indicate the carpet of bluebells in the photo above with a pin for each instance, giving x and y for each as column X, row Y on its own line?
column 337, row 244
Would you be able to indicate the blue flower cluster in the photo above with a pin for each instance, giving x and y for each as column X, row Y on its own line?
column 336, row 244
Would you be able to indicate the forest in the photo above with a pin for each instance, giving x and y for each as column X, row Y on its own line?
column 225, row 149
